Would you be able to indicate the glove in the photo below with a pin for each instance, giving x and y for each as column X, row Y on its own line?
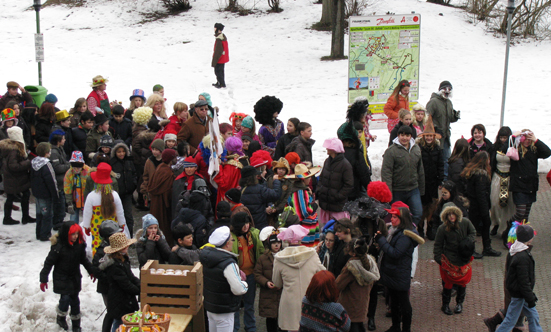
column 93, row 278
column 71, row 209
column 43, row 286
column 378, row 236
column 87, row 231
column 531, row 304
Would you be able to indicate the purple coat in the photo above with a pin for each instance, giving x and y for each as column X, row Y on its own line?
column 269, row 136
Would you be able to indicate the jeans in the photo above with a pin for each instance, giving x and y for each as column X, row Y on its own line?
column 8, row 206
column 446, row 153
column 126, row 201
column 44, row 215
column 116, row 323
column 59, row 209
column 516, row 307
column 248, row 313
column 70, row 300
column 413, row 199
column 76, row 216
column 219, row 72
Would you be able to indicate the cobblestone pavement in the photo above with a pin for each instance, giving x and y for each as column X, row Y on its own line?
column 484, row 293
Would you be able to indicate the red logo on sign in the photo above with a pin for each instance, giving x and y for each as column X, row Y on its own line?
column 403, row 19
column 415, row 19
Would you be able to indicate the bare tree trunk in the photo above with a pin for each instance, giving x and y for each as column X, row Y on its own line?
column 326, row 9
column 337, row 36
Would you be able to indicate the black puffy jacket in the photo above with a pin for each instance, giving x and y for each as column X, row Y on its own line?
column 66, row 260
column 197, row 221
column 478, row 193
column 524, row 172
column 123, row 287
column 336, row 182
column 256, row 199
column 79, row 138
column 433, row 164
column 487, row 146
column 127, row 177
column 103, row 282
column 454, row 174
column 396, row 263
column 521, row 277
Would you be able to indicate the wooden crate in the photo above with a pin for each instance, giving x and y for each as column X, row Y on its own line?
column 169, row 293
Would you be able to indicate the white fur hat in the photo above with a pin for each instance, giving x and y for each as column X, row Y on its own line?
column 16, row 134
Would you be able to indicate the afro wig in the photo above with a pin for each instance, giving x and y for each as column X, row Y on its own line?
column 379, row 190
column 265, row 108
column 357, row 109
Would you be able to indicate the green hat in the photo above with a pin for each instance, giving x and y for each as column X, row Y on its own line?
column 7, row 115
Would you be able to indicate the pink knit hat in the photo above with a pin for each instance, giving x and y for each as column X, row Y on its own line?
column 334, row 144
column 294, row 234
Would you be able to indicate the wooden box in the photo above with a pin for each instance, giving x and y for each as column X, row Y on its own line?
column 173, row 294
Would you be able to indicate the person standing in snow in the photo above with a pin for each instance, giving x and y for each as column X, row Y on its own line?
column 221, row 55
column 440, row 107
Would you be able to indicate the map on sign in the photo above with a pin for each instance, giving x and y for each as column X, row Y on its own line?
column 383, row 51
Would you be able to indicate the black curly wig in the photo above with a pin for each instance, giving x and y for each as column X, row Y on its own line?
column 357, row 109
column 265, row 108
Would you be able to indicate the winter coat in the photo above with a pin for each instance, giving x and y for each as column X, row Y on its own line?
column 103, row 282
column 294, row 268
column 227, row 178
column 66, row 260
column 221, row 51
column 442, row 112
column 141, row 140
column 282, row 144
column 258, row 247
column 181, row 190
column 323, row 317
column 454, row 174
column 198, row 223
column 125, row 170
column 302, row 147
column 524, row 172
column 174, row 125
column 154, row 123
column 433, row 166
column 478, row 193
column 256, row 199
column 361, row 172
column 269, row 135
column 60, row 164
column 121, row 130
column 338, row 257
column 394, row 132
column 447, row 242
column 486, row 146
column 20, row 98
column 149, row 169
column 43, row 129
column 336, row 182
column 123, row 287
column 147, row 249
column 354, row 284
column 92, row 142
column 395, row 266
column 521, row 277
column 15, row 167
column 79, row 138
column 184, row 256
column 43, row 182
column 392, row 108
column 402, row 169
column 69, row 145
column 193, row 131
column 268, row 301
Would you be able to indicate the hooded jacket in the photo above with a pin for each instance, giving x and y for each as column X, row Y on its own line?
column 442, row 112
column 355, row 283
column 43, row 182
column 402, row 168
column 521, row 277
column 66, row 259
column 221, row 51
column 303, row 147
column 524, row 172
column 294, row 268
column 336, row 182
column 15, row 167
column 394, row 132
column 147, row 249
column 127, row 177
column 447, row 242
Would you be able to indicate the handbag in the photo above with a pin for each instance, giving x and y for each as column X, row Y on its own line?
column 512, row 151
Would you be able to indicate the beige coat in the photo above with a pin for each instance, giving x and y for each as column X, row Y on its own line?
column 294, row 267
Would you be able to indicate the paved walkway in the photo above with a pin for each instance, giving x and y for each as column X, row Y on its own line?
column 484, row 293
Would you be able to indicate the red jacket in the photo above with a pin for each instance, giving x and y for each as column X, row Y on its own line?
column 221, row 50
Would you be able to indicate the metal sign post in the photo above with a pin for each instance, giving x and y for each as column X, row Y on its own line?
column 510, row 10
column 38, row 41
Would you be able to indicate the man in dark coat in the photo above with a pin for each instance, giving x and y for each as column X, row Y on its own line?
column 23, row 98
column 220, row 57
column 196, row 127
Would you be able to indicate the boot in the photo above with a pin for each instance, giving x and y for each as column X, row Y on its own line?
column 446, row 298
column 477, row 255
column 494, row 321
column 371, row 324
column 61, row 320
column 10, row 221
column 28, row 220
column 493, row 232
column 488, row 251
column 461, row 292
column 76, row 323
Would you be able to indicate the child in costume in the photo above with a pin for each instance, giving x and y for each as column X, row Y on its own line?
column 74, row 184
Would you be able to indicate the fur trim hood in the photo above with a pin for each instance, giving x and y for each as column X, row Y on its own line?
column 295, row 257
column 448, row 209
column 419, row 141
column 116, row 147
column 105, row 262
column 363, row 276
column 146, row 135
column 7, row 145
column 415, row 237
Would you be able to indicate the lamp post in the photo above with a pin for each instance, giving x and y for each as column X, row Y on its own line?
column 510, row 10
column 37, row 5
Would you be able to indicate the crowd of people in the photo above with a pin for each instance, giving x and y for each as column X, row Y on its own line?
column 253, row 209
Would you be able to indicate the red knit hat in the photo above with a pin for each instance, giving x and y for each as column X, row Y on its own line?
column 261, row 157
column 292, row 158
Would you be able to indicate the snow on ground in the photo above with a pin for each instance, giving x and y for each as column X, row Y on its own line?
column 271, row 54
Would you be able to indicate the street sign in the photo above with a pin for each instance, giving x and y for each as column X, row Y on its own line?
column 39, row 47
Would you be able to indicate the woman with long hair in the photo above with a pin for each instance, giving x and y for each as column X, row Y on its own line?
column 459, row 158
column 44, row 122
column 524, row 175
column 501, row 199
column 80, row 107
column 157, row 104
column 477, row 176
column 320, row 310
column 137, row 100
column 102, row 204
column 449, row 194
column 396, row 263
column 399, row 99
column 286, row 139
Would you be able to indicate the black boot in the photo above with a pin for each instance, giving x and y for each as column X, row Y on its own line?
column 494, row 321
column 477, row 255
column 76, row 323
column 446, row 298
column 371, row 324
column 461, row 292
column 488, row 251
column 28, row 220
column 10, row 221
column 493, row 232
column 62, row 321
